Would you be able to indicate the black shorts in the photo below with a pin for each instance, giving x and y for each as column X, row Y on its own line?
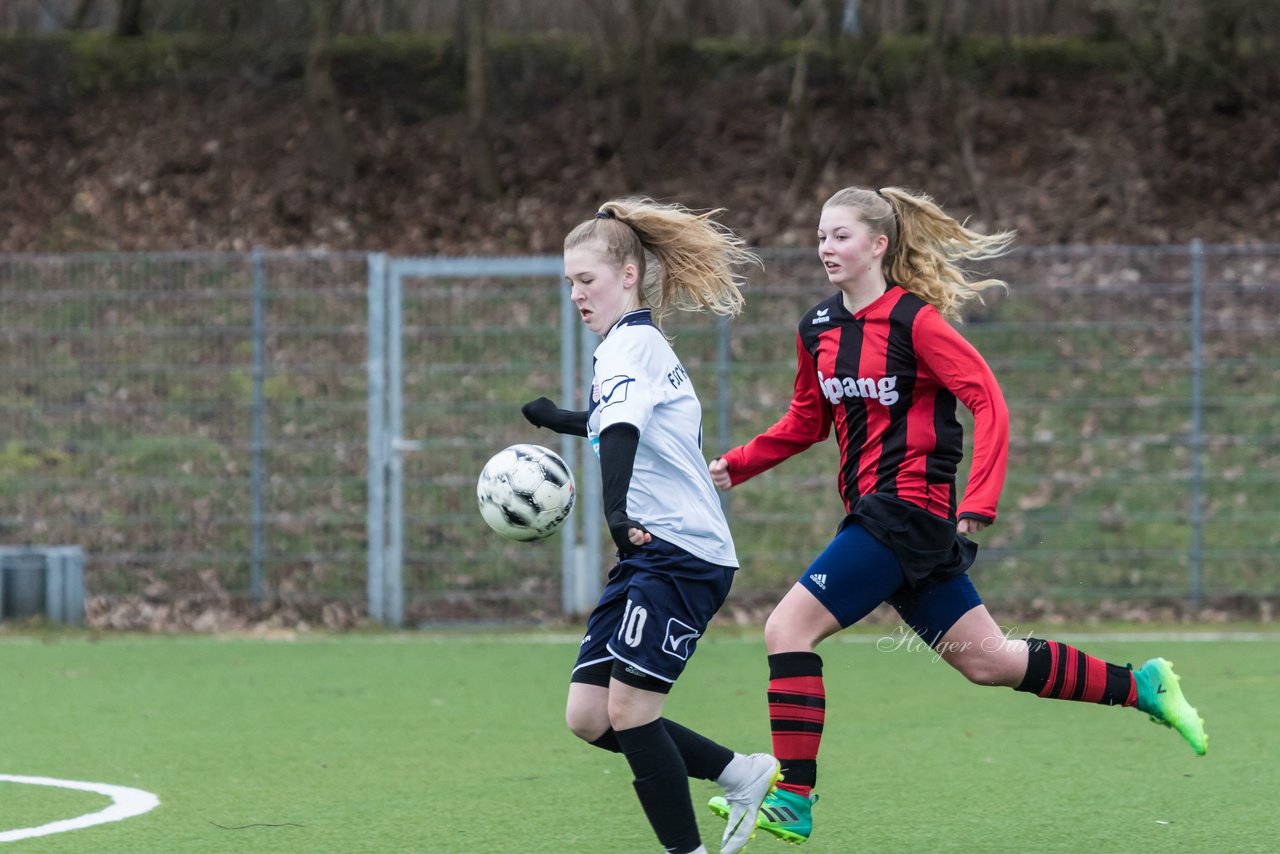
column 926, row 546
column 656, row 605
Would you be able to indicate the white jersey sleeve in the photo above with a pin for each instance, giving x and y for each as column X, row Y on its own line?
column 638, row 380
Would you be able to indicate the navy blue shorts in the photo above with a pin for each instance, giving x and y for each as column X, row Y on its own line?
column 655, row 606
column 857, row 572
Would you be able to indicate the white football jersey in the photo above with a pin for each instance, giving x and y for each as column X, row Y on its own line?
column 639, row 381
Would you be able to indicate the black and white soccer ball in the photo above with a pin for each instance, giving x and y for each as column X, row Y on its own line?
column 525, row 492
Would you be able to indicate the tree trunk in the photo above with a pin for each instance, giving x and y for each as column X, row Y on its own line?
column 484, row 168
column 955, row 100
column 640, row 150
column 796, row 146
column 80, row 15
column 627, row 47
column 793, row 130
column 129, row 23
column 333, row 150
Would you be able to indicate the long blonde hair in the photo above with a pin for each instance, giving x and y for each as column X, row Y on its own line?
column 695, row 256
column 926, row 245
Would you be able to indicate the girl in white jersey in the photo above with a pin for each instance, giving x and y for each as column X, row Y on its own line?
column 675, row 556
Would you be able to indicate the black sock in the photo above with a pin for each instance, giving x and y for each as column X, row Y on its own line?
column 608, row 741
column 703, row 758
column 661, row 783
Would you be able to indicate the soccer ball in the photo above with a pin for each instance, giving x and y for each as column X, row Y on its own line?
column 525, row 492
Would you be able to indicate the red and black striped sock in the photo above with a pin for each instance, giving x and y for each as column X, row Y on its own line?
column 1062, row 672
column 797, row 711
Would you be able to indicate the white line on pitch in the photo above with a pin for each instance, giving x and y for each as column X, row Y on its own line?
column 125, row 803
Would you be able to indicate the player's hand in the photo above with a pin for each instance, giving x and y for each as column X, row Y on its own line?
column 969, row 525
column 719, row 471
column 628, row 534
column 540, row 412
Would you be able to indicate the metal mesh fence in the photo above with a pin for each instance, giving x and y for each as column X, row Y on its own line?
column 199, row 423
column 188, row 419
column 475, row 349
column 1142, row 386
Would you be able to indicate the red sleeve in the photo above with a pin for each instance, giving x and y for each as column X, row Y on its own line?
column 806, row 423
column 963, row 372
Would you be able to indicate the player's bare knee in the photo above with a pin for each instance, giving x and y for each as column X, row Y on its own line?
column 772, row 634
column 982, row 668
column 587, row 715
column 587, row 727
column 629, row 715
column 978, row 671
column 586, row 733
column 780, row 634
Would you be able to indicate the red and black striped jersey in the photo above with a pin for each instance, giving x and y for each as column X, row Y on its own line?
column 887, row 379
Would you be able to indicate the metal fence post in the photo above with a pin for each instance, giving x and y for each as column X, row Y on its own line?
column 589, row 567
column 377, row 436
column 724, row 399
column 393, row 574
column 258, row 537
column 571, row 449
column 1197, row 426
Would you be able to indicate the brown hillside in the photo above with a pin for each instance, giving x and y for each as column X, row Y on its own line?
column 226, row 165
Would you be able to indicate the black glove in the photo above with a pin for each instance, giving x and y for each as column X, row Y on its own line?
column 619, row 528
column 544, row 413
column 539, row 412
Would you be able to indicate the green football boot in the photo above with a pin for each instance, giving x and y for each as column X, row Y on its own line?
column 785, row 814
column 1160, row 696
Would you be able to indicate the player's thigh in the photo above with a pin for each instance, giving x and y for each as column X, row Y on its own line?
column 631, row 707
column 594, row 659
column 979, row 649
column 935, row 605
column 852, row 575
column 798, row 623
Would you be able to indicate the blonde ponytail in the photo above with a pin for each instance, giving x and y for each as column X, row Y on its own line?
column 694, row 254
column 926, row 245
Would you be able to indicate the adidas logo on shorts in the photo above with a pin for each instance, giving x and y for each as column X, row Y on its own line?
column 820, row 579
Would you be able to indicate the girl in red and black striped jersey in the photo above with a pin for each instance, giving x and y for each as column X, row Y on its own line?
column 878, row 363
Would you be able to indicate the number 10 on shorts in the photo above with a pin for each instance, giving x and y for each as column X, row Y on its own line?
column 632, row 624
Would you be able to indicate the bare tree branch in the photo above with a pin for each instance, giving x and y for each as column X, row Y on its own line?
column 479, row 128
column 333, row 149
